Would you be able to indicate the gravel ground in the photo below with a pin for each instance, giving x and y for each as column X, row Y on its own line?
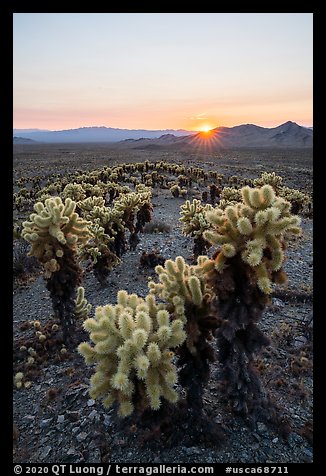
column 57, row 422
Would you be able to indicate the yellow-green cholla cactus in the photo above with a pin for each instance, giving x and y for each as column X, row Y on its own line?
column 52, row 229
column 178, row 285
column 250, row 239
column 74, row 191
column 189, row 299
column 193, row 218
column 269, row 178
column 132, row 350
column 54, row 232
column 89, row 203
column 229, row 196
column 256, row 230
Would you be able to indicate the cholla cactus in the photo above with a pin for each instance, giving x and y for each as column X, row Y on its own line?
column 175, row 190
column 74, row 191
column 254, row 229
column 193, row 218
column 82, row 307
column 229, row 196
column 132, row 350
column 189, row 299
column 99, row 249
column 250, row 240
column 269, row 178
column 89, row 203
column 298, row 199
column 54, row 232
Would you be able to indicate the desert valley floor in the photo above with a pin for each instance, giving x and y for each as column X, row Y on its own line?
column 56, row 421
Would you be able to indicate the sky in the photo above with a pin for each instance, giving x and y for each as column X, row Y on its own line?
column 162, row 70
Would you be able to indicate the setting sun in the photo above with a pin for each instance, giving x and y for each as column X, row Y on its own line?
column 206, row 128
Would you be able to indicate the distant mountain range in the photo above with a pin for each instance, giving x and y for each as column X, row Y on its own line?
column 287, row 135
column 94, row 134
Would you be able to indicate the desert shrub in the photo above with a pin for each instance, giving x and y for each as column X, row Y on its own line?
column 157, row 226
column 23, row 265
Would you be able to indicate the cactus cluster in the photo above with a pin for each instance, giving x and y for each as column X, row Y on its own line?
column 133, row 342
column 229, row 196
column 254, row 229
column 109, row 224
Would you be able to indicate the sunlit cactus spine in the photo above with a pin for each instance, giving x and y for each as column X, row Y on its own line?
column 55, row 231
column 250, row 240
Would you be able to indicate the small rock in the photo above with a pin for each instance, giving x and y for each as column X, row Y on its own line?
column 275, row 440
column 29, row 418
column 261, row 428
column 75, row 429
column 46, row 422
column 95, row 457
column 72, row 415
column 45, row 453
column 107, row 420
column 90, row 402
column 294, row 439
column 300, row 341
column 81, row 436
column 244, row 457
column 60, row 419
column 256, row 436
column 72, row 452
column 278, row 302
column 307, row 452
column 93, row 415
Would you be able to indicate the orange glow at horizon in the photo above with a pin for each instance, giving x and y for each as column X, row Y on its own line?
column 206, row 128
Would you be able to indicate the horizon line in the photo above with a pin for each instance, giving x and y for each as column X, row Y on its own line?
column 36, row 129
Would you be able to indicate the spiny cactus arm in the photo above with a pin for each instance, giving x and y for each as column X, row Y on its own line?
column 82, row 308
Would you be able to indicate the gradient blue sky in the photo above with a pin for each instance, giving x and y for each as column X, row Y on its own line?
column 162, row 70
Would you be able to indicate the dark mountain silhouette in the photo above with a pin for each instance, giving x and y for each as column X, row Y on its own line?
column 287, row 135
